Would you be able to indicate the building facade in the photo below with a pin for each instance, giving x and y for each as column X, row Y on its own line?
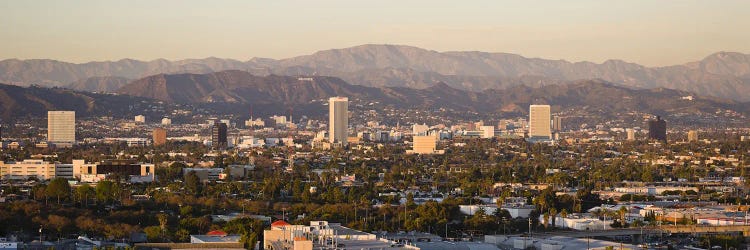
column 692, row 136
column 539, row 122
column 61, row 127
column 219, row 135
column 657, row 129
column 160, row 136
column 338, row 119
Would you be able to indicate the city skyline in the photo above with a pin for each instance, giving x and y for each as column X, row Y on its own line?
column 646, row 32
column 408, row 131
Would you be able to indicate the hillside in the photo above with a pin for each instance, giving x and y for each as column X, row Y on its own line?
column 240, row 87
column 722, row 74
column 16, row 102
column 99, row 84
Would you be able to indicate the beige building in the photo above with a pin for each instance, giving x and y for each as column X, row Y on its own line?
column 160, row 136
column 338, row 119
column 28, row 168
column 692, row 136
column 140, row 119
column 322, row 235
column 487, row 131
column 424, row 144
column 61, row 126
column 631, row 134
column 93, row 172
column 556, row 123
column 539, row 122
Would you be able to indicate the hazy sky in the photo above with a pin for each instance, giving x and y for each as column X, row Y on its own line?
column 650, row 32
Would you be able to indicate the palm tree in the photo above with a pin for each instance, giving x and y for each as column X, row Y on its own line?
column 564, row 215
column 622, row 211
column 553, row 214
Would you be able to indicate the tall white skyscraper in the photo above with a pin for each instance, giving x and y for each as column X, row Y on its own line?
column 338, row 119
column 539, row 122
column 61, row 126
column 631, row 134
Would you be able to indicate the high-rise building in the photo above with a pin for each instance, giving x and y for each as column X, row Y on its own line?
column 657, row 129
column 279, row 119
column 61, row 127
column 140, row 119
column 556, row 123
column 338, row 119
column 539, row 122
column 219, row 135
column 631, row 134
column 160, row 136
column 487, row 131
column 692, row 136
column 424, row 144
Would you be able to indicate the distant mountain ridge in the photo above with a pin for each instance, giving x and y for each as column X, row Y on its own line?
column 100, row 84
column 230, row 92
column 722, row 74
column 35, row 101
column 240, row 87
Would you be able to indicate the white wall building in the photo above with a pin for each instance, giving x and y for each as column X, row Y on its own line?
column 539, row 122
column 140, row 119
column 487, row 131
column 338, row 119
column 61, row 126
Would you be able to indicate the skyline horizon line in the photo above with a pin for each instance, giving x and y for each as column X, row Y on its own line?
column 599, row 62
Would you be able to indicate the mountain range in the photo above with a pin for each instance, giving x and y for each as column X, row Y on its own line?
column 722, row 74
column 35, row 101
column 241, row 87
column 234, row 91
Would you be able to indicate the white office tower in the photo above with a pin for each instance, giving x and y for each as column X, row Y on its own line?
column 539, row 122
column 487, row 131
column 166, row 121
column 338, row 119
column 631, row 134
column 692, row 136
column 140, row 119
column 61, row 126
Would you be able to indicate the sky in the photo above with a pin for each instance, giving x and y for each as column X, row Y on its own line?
column 648, row 32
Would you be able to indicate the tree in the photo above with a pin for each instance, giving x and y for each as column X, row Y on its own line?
column 59, row 188
column 163, row 219
column 105, row 191
column 249, row 230
column 192, row 183
column 553, row 215
column 153, row 233
column 59, row 223
column 622, row 212
column 83, row 192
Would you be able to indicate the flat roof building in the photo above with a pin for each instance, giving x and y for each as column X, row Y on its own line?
column 159, row 136
column 539, row 122
column 61, row 127
column 338, row 119
column 657, row 129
